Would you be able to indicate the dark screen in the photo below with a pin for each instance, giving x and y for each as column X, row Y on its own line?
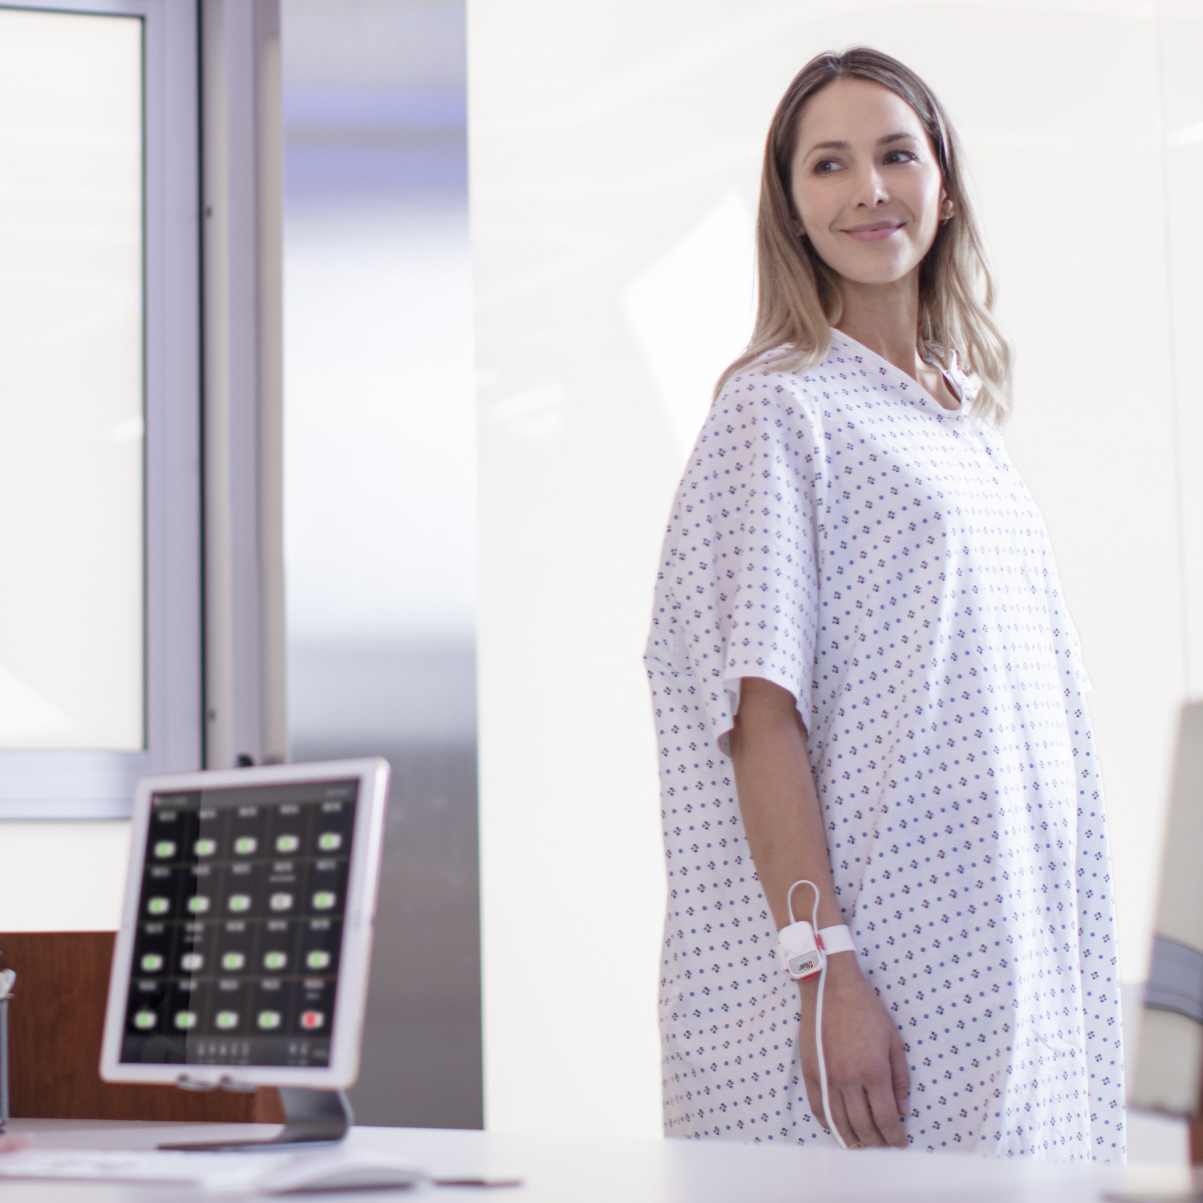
column 240, row 924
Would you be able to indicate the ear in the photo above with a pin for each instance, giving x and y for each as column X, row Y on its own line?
column 947, row 208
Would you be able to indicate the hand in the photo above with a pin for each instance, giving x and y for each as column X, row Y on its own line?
column 867, row 1075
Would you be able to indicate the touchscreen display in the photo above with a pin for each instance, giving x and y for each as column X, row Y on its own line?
column 240, row 924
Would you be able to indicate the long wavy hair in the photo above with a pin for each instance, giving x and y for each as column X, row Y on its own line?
column 799, row 297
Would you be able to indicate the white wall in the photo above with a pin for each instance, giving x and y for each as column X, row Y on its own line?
column 615, row 158
column 67, row 876
column 1181, row 48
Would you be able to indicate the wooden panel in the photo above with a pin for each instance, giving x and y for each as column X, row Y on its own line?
column 55, row 1022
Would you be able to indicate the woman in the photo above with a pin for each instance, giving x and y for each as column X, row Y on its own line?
column 864, row 677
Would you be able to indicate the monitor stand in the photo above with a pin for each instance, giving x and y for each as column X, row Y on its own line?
column 311, row 1118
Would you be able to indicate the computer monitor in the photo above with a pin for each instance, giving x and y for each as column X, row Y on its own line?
column 242, row 957
column 1169, row 1063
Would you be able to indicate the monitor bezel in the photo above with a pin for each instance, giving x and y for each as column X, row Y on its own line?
column 351, row 991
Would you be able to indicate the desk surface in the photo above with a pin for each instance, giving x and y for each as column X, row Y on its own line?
column 580, row 1170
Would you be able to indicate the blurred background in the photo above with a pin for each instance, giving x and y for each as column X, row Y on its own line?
column 380, row 503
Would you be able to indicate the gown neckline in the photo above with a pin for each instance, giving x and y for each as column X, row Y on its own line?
column 909, row 381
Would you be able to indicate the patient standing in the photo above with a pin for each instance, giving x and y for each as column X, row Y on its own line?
column 863, row 675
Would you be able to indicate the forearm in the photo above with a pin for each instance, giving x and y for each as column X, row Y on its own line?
column 865, row 1059
column 779, row 804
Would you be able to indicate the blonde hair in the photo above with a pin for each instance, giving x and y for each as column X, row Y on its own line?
column 799, row 297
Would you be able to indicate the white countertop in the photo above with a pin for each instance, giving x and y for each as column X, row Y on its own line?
column 567, row 1170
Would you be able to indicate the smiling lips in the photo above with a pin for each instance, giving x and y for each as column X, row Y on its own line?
column 873, row 231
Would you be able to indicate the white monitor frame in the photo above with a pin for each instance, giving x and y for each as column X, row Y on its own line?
column 351, row 991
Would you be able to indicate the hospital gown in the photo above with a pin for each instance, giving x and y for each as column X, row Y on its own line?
column 839, row 533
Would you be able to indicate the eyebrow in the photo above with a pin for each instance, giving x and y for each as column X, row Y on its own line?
column 847, row 145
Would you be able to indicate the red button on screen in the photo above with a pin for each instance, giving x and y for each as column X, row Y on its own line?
column 312, row 1019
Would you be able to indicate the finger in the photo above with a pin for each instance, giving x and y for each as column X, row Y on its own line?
column 840, row 1121
column 900, row 1073
column 860, row 1117
column 884, row 1109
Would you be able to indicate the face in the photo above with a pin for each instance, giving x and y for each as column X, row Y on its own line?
column 866, row 185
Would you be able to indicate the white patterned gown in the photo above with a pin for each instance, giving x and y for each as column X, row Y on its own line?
column 839, row 533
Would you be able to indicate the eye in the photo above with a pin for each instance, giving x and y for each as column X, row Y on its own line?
column 901, row 156
column 824, row 167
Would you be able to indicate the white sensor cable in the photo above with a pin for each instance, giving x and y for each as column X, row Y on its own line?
column 804, row 955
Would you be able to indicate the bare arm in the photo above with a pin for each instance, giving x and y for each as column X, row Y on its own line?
column 778, row 802
column 866, row 1065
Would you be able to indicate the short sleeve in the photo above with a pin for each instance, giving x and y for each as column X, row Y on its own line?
column 742, row 558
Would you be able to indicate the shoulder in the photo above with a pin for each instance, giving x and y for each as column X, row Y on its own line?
column 841, row 376
column 767, row 402
column 767, row 424
column 778, row 380
column 814, row 394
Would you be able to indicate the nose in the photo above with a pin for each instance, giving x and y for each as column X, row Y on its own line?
column 870, row 190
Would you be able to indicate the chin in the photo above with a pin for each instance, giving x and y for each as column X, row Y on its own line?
column 884, row 271
column 875, row 277
column 878, row 265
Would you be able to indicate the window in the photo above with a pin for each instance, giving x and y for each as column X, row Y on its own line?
column 99, row 404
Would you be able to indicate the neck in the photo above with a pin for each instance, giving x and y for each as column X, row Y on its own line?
column 884, row 318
